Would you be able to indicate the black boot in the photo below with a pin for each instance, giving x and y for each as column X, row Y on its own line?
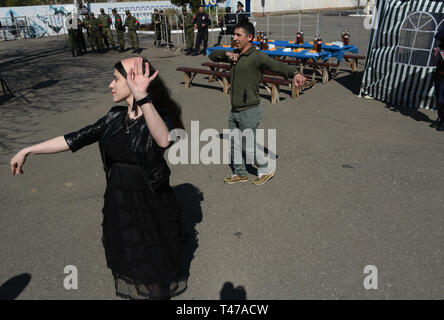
column 436, row 123
column 439, row 123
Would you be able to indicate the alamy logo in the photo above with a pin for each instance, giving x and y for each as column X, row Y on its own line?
column 219, row 147
column 71, row 280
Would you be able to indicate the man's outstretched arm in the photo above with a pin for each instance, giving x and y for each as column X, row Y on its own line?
column 219, row 56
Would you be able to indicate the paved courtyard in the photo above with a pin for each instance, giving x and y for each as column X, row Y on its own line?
column 358, row 183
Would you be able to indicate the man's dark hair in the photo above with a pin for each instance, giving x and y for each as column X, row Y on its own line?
column 248, row 28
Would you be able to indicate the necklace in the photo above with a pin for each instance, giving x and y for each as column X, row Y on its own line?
column 126, row 122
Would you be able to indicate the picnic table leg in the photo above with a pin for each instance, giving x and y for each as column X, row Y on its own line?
column 354, row 65
column 274, row 93
column 188, row 78
column 324, row 75
column 226, row 85
column 211, row 77
column 294, row 91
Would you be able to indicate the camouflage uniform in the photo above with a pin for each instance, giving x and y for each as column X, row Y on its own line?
column 186, row 23
column 105, row 22
column 156, row 20
column 120, row 29
column 132, row 24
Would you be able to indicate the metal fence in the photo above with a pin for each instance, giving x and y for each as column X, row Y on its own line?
column 327, row 24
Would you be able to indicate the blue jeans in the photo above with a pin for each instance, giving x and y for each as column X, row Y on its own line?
column 244, row 120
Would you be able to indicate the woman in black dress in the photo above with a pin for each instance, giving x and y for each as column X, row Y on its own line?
column 439, row 81
column 142, row 230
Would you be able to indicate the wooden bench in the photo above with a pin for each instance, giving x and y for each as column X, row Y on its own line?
column 352, row 60
column 190, row 74
column 271, row 84
column 327, row 70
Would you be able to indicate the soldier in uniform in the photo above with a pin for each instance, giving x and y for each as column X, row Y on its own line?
column 72, row 34
column 201, row 21
column 86, row 25
column 157, row 20
column 186, row 24
column 242, row 17
column 120, row 29
column 229, row 21
column 80, row 37
column 132, row 24
column 95, row 32
column 105, row 22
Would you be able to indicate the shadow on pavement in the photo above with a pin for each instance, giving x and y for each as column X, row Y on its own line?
column 229, row 292
column 190, row 198
column 12, row 288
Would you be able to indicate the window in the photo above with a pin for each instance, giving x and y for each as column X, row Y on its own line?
column 416, row 39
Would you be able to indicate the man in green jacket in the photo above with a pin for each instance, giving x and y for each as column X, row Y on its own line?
column 105, row 22
column 247, row 67
column 187, row 25
column 132, row 24
column 120, row 29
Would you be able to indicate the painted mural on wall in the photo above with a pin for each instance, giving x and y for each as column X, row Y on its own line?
column 49, row 20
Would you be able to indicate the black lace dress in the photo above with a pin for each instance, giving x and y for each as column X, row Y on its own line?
column 142, row 232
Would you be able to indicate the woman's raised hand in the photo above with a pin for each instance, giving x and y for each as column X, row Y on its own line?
column 17, row 162
column 138, row 82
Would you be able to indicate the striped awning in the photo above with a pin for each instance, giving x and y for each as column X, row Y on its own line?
column 399, row 69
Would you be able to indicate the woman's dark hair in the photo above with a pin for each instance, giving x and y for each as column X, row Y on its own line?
column 160, row 94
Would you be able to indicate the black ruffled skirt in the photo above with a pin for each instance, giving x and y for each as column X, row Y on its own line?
column 142, row 236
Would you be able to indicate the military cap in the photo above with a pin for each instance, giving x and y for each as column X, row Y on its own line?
column 127, row 12
column 240, row 4
column 184, row 9
column 114, row 10
column 102, row 10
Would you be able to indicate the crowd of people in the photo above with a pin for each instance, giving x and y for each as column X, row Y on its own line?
column 100, row 35
column 99, row 32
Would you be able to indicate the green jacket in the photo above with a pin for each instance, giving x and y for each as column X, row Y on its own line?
column 187, row 22
column 93, row 25
column 247, row 73
column 118, row 23
column 132, row 23
column 105, row 20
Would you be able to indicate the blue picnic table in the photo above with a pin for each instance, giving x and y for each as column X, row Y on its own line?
column 336, row 51
column 279, row 52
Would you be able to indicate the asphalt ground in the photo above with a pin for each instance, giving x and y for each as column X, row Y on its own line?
column 357, row 183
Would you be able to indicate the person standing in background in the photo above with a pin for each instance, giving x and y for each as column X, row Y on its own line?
column 186, row 24
column 132, row 24
column 120, row 30
column 229, row 21
column 86, row 25
column 71, row 26
column 439, row 79
column 80, row 37
column 241, row 15
column 105, row 21
column 97, row 35
column 201, row 22
column 156, row 21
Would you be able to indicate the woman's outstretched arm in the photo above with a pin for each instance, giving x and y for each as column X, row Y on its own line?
column 55, row 145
